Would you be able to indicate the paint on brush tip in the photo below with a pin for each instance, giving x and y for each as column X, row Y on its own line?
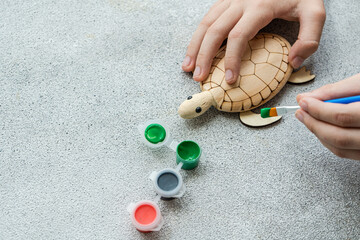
column 268, row 112
column 265, row 112
column 273, row 112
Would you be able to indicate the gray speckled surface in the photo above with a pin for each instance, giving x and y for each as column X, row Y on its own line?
column 76, row 77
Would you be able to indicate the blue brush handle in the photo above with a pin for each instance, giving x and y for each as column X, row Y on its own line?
column 345, row 100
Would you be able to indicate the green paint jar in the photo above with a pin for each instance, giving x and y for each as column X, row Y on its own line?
column 188, row 153
column 154, row 134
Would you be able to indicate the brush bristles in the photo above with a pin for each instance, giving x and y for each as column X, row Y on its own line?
column 264, row 112
column 268, row 112
column 273, row 112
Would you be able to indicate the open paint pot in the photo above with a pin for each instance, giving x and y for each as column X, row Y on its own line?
column 146, row 216
column 154, row 133
column 188, row 152
column 168, row 183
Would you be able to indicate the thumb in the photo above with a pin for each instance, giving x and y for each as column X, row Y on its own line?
column 311, row 25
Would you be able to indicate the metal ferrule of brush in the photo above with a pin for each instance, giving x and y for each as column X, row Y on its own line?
column 286, row 109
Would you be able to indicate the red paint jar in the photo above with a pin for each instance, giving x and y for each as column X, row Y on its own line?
column 145, row 216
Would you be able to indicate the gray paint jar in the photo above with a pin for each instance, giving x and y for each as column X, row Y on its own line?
column 168, row 183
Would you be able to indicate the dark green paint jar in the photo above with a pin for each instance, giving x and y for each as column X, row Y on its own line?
column 188, row 153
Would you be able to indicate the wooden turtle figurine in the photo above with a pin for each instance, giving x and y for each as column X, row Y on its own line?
column 264, row 71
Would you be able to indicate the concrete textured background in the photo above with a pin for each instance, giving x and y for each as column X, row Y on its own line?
column 77, row 76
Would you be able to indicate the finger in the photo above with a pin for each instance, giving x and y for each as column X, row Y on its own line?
column 246, row 29
column 342, row 138
column 311, row 24
column 192, row 50
column 213, row 38
column 330, row 147
column 343, row 115
column 347, row 87
column 343, row 153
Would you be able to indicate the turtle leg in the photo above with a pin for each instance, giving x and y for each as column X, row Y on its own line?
column 301, row 76
column 252, row 119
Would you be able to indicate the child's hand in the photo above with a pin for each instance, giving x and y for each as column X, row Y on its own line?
column 336, row 125
column 239, row 21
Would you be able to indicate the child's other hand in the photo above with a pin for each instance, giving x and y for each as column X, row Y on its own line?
column 337, row 126
column 239, row 21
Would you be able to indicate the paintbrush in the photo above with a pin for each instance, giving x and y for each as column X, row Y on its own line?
column 278, row 111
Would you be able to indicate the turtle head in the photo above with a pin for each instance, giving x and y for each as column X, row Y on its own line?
column 196, row 105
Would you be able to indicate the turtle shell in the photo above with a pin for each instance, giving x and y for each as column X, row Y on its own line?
column 264, row 70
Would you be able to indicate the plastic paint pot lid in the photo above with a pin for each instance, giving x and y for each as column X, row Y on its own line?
column 146, row 216
column 155, row 133
column 188, row 150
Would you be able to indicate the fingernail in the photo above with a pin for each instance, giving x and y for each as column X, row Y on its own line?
column 299, row 116
column 186, row 61
column 228, row 75
column 301, row 96
column 303, row 105
column 297, row 62
column 197, row 71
